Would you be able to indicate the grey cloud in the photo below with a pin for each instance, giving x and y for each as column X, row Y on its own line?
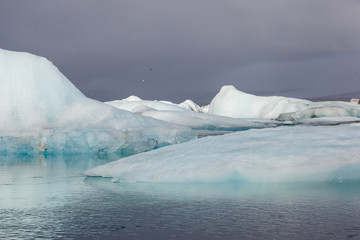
column 194, row 47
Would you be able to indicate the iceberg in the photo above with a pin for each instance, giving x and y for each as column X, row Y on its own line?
column 283, row 154
column 42, row 112
column 231, row 102
column 190, row 105
column 209, row 124
column 189, row 114
column 326, row 121
column 136, row 104
column 325, row 109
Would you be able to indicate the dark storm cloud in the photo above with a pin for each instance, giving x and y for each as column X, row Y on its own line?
column 296, row 47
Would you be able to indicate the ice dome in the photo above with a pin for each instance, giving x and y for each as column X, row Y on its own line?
column 231, row 102
column 41, row 111
column 283, row 154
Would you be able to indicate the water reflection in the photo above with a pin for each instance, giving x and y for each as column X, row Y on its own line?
column 230, row 190
column 32, row 182
column 50, row 198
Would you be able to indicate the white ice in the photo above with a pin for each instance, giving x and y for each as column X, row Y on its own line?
column 41, row 111
column 234, row 103
column 284, row 154
column 323, row 109
column 203, row 121
column 231, row 102
column 189, row 114
column 136, row 104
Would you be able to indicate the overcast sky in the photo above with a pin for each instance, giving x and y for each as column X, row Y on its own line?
column 299, row 48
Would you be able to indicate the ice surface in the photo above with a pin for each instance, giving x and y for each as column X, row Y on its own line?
column 189, row 114
column 234, row 103
column 41, row 111
column 231, row 102
column 134, row 104
column 322, row 110
column 203, row 121
column 190, row 105
column 328, row 121
column 284, row 154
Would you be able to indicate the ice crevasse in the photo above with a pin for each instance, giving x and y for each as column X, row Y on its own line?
column 41, row 111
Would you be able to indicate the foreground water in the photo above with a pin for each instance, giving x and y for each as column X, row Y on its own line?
column 51, row 199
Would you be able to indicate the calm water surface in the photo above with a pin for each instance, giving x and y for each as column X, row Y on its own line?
column 51, row 199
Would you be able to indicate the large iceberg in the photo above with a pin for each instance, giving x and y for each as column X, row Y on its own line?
column 231, row 102
column 284, row 154
column 191, row 115
column 41, row 111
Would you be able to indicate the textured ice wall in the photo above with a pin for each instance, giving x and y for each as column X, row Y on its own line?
column 41, row 111
column 284, row 154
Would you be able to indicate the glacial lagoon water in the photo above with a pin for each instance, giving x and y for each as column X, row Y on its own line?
column 49, row 198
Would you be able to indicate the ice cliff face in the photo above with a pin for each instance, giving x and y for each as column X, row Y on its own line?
column 41, row 111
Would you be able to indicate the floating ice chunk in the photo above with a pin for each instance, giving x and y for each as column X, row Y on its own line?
column 231, row 102
column 135, row 104
column 41, row 111
column 321, row 111
column 190, row 105
column 205, row 109
column 328, row 121
column 284, row 154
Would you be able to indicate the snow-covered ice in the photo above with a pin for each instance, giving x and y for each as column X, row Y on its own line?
column 320, row 110
column 327, row 121
column 136, row 104
column 284, row 154
column 190, row 105
column 41, row 111
column 234, row 103
column 202, row 121
column 231, row 102
column 189, row 114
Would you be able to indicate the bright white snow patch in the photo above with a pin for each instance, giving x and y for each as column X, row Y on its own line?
column 41, row 111
column 284, row 154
